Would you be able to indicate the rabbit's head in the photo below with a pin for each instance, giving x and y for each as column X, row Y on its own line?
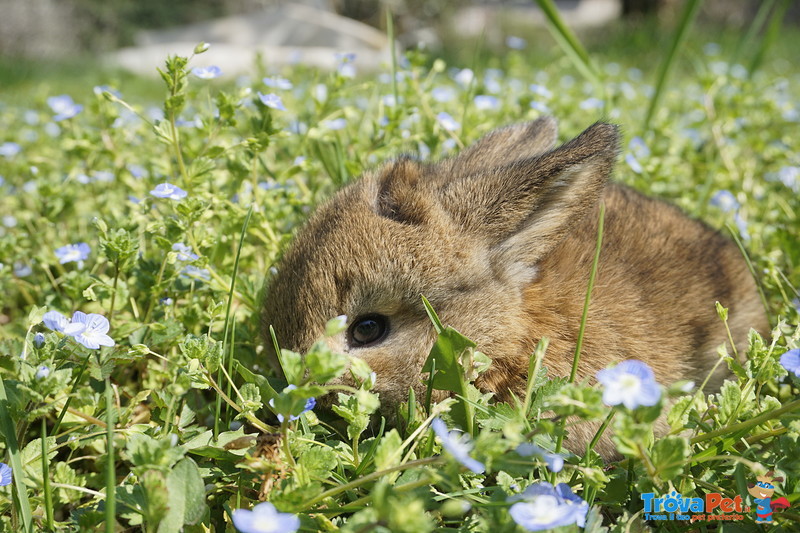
column 468, row 233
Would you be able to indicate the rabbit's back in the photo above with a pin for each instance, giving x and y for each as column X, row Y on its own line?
column 659, row 276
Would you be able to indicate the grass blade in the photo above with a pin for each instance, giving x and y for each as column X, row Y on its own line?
column 687, row 18
column 228, row 321
column 10, row 437
column 48, row 494
column 569, row 43
column 111, row 472
column 770, row 36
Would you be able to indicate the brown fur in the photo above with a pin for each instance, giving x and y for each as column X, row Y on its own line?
column 501, row 239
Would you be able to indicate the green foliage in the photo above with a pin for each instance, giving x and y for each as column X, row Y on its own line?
column 183, row 420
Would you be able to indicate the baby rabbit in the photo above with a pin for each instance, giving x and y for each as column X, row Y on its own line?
column 501, row 240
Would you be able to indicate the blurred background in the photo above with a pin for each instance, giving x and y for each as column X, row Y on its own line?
column 91, row 41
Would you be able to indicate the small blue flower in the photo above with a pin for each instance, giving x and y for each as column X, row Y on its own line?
column 94, row 332
column 443, row 94
column 334, row 124
column 184, row 252
column 791, row 361
column 38, row 339
column 207, row 73
column 543, row 506
column 277, row 82
column 639, row 148
column 73, row 252
column 517, row 43
column 725, row 201
column 484, row 102
column 458, row 445
column 464, row 76
column 168, row 190
column 630, row 383
column 193, row 272
column 540, row 90
column 103, row 175
column 790, row 176
column 591, row 103
column 632, row 162
column 137, row 171
column 345, row 57
column 447, row 121
column 5, row 475
column 64, row 107
column 42, row 372
column 22, row 270
column 311, row 403
column 539, row 106
column 554, row 461
column 265, row 518
column 166, row 301
column 9, row 149
column 271, row 100
column 100, row 89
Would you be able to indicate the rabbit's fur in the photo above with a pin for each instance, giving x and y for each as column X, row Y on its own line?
column 501, row 240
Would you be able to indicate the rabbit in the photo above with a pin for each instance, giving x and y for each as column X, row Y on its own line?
column 501, row 240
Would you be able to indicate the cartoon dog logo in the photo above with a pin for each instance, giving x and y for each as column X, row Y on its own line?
column 762, row 496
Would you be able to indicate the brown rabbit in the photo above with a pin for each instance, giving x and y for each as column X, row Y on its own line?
column 501, row 239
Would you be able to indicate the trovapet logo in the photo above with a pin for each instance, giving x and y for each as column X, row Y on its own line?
column 674, row 506
column 715, row 506
column 762, row 496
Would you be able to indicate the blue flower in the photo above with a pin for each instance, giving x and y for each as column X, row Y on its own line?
column 42, row 372
column 484, row 102
column 137, row 171
column 634, row 163
column 447, row 122
column 207, row 73
column 630, row 383
column 443, row 94
column 539, row 106
column 22, row 270
column 638, row 147
column 540, row 90
column 94, row 331
column 64, row 107
column 168, row 190
column 725, row 201
column 100, row 89
column 193, row 272
column 789, row 176
column 457, row 444
column 545, row 507
column 38, row 339
column 271, row 100
column 277, row 82
column 311, row 403
column 73, row 252
column 5, row 475
column 791, row 361
column 554, row 461
column 264, row 518
column 591, row 103
column 517, row 43
column 9, row 149
column 184, row 252
column 334, row 124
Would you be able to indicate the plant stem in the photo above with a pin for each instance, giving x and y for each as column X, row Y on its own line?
column 111, row 474
column 747, row 424
column 48, row 495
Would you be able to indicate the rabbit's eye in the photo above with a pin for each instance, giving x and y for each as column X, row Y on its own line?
column 367, row 330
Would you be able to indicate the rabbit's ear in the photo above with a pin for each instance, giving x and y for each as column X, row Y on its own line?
column 525, row 208
column 399, row 196
column 506, row 145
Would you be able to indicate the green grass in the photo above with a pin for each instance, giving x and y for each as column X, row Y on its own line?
column 160, row 431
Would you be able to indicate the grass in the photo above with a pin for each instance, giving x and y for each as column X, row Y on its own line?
column 175, row 426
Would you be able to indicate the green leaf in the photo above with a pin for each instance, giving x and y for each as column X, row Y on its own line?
column 389, row 451
column 669, row 456
column 35, row 315
column 187, row 498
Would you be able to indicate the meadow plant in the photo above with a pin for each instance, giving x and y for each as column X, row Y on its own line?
column 153, row 407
